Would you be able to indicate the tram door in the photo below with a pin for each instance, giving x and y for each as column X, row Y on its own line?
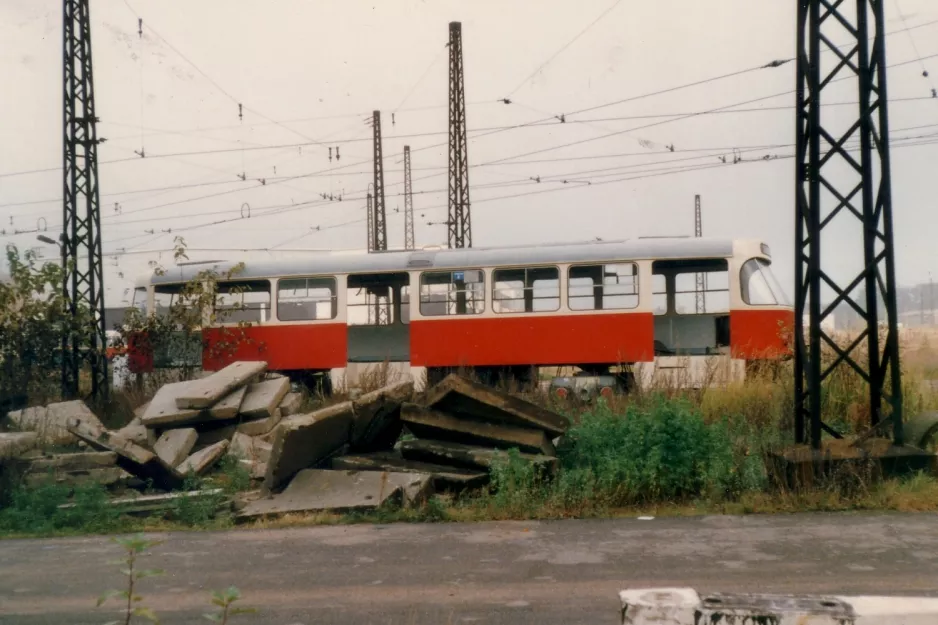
column 378, row 317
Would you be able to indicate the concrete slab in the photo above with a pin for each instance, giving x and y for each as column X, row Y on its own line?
column 229, row 406
column 12, row 444
column 50, row 422
column 800, row 466
column 292, row 404
column 259, row 427
column 130, row 457
column 143, row 504
column 135, row 432
column 103, row 476
column 376, row 423
column 316, row 490
column 208, row 391
column 303, row 441
column 74, row 462
column 173, row 446
column 435, row 425
column 263, row 398
column 162, row 409
column 202, row 461
column 141, row 410
column 209, row 434
column 249, row 448
column 457, row 454
column 445, row 478
column 459, row 396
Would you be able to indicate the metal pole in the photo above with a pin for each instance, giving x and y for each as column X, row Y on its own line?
column 459, row 222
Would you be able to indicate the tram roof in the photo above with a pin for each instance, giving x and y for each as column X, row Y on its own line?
column 359, row 261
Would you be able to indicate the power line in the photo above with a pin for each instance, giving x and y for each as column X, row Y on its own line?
column 562, row 48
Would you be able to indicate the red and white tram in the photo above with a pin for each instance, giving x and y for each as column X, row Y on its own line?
column 591, row 305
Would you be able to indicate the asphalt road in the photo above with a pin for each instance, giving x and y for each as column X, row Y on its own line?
column 535, row 572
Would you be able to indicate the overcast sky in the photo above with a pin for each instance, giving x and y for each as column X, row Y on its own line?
column 309, row 73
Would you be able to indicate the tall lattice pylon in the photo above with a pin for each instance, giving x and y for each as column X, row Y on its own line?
column 701, row 281
column 379, row 221
column 369, row 207
column 844, row 207
column 408, row 203
column 83, row 285
column 459, row 221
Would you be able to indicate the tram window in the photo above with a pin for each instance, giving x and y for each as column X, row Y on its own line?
column 758, row 284
column 452, row 293
column 526, row 289
column 140, row 300
column 603, row 287
column 714, row 294
column 243, row 300
column 659, row 288
column 306, row 299
column 164, row 296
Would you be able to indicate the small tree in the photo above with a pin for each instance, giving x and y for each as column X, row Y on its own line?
column 33, row 318
column 174, row 337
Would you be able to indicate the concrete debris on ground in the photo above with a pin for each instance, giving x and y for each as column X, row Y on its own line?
column 302, row 441
column 376, row 422
column 292, row 404
column 174, row 445
column 131, row 457
column 145, row 504
column 208, row 391
column 263, row 398
column 314, row 490
column 345, row 456
column 445, row 478
column 50, row 422
column 432, row 424
column 13, row 444
column 465, row 399
column 471, row 456
column 136, row 432
column 201, row 461
column 230, row 405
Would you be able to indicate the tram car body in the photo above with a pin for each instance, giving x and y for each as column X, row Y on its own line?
column 599, row 306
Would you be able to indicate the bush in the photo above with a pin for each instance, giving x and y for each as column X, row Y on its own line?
column 37, row 510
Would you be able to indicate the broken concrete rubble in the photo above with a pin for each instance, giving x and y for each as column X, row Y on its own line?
column 104, row 476
column 469, row 456
column 249, row 448
column 229, row 406
column 201, row 461
column 50, row 422
column 12, row 444
column 163, row 410
column 74, row 462
column 144, row 504
column 460, row 397
column 303, row 441
column 131, row 457
column 315, row 490
column 432, row 424
column 173, row 446
column 204, row 393
column 259, row 427
column 292, row 404
column 376, row 423
column 263, row 398
column 445, row 478
column 135, row 432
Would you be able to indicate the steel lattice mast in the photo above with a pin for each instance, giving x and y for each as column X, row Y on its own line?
column 371, row 222
column 459, row 222
column 844, row 184
column 83, row 284
column 701, row 285
column 408, row 203
column 379, row 220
